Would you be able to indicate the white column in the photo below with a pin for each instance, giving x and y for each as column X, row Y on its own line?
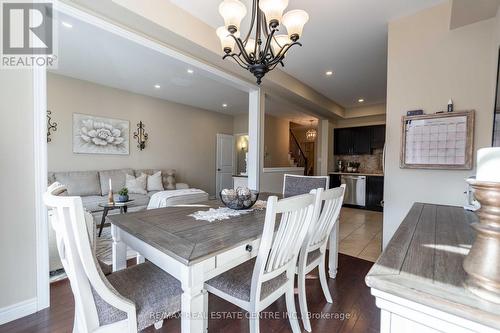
column 256, row 111
column 323, row 144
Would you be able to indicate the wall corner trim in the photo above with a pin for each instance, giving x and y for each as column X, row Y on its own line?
column 18, row 310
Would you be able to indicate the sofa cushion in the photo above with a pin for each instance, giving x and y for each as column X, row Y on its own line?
column 79, row 183
column 91, row 202
column 117, row 179
column 136, row 184
column 140, row 200
column 165, row 174
column 155, row 183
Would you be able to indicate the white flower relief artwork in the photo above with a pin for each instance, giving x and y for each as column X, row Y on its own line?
column 96, row 135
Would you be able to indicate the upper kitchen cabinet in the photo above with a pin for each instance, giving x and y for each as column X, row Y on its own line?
column 378, row 137
column 358, row 140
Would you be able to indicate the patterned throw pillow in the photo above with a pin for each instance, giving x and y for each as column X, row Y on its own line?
column 170, row 179
column 136, row 185
column 155, row 182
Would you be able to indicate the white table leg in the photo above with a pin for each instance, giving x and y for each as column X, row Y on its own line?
column 194, row 300
column 140, row 259
column 119, row 250
column 194, row 315
column 333, row 254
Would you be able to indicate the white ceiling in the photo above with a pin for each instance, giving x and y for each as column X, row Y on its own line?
column 92, row 54
column 346, row 36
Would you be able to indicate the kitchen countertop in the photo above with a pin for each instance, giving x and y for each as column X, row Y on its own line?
column 357, row 173
column 423, row 263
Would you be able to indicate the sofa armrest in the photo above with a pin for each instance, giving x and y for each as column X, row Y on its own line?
column 181, row 186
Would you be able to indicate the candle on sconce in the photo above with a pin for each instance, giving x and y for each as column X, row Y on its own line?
column 110, row 187
column 488, row 165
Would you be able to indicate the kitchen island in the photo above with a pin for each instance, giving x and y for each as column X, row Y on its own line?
column 418, row 281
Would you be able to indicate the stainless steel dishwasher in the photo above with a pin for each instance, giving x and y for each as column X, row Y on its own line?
column 355, row 193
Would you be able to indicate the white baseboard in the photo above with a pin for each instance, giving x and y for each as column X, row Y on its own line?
column 18, row 310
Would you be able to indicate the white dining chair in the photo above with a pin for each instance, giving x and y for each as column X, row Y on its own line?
column 126, row 301
column 297, row 184
column 259, row 282
column 313, row 251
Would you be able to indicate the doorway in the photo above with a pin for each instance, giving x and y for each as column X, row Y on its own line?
column 225, row 158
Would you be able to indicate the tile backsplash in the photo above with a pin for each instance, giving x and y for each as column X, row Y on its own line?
column 367, row 163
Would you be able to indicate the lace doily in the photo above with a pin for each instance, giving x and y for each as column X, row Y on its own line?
column 224, row 213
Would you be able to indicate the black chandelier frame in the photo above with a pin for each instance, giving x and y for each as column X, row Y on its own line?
column 261, row 60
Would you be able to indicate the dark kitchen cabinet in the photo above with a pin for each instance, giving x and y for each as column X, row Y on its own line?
column 378, row 137
column 334, row 180
column 342, row 141
column 374, row 192
column 352, row 141
column 361, row 140
column 358, row 140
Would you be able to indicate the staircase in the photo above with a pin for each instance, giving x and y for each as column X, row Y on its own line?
column 297, row 157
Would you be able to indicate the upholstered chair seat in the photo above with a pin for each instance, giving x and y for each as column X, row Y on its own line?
column 156, row 295
column 237, row 282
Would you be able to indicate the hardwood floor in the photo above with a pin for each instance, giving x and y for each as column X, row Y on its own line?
column 353, row 309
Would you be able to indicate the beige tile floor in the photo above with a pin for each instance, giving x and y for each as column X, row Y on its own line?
column 360, row 233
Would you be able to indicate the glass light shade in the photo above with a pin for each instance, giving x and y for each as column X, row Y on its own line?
column 294, row 22
column 311, row 134
column 227, row 42
column 273, row 9
column 278, row 42
column 250, row 46
column 233, row 11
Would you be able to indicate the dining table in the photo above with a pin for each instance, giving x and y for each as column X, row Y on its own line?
column 194, row 251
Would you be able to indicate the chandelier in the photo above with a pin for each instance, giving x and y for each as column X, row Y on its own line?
column 311, row 133
column 263, row 48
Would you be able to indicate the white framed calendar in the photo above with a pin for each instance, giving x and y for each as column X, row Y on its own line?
column 438, row 141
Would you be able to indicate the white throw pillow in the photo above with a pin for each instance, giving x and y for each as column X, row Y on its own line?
column 136, row 185
column 155, row 182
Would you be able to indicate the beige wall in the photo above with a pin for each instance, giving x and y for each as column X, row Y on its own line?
column 276, row 142
column 428, row 64
column 17, row 204
column 180, row 137
column 365, row 111
column 276, row 138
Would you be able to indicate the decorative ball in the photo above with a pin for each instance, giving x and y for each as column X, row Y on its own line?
column 241, row 198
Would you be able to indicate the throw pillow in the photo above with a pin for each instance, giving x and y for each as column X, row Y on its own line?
column 170, row 179
column 136, row 185
column 155, row 183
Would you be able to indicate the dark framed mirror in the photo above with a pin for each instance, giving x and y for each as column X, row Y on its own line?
column 496, row 119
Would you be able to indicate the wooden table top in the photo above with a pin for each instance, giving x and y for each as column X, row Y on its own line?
column 423, row 263
column 172, row 231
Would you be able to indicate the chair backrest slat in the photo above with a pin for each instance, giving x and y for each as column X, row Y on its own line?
column 332, row 200
column 79, row 262
column 279, row 249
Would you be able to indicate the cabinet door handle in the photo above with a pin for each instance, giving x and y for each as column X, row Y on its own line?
column 249, row 248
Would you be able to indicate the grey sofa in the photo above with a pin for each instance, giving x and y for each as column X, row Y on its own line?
column 92, row 187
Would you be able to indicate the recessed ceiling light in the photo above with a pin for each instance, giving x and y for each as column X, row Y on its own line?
column 67, row 25
column 157, row 86
column 329, row 73
column 361, row 100
column 190, row 71
column 224, row 105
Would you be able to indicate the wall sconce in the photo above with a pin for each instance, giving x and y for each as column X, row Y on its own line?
column 51, row 126
column 141, row 136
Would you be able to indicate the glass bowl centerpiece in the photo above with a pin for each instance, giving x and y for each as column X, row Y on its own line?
column 239, row 198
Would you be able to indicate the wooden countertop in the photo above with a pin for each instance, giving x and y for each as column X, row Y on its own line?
column 357, row 174
column 423, row 263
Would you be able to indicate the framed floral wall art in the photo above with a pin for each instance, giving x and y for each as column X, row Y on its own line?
column 98, row 135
